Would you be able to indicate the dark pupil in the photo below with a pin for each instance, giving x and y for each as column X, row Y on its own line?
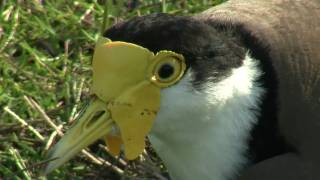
column 165, row 71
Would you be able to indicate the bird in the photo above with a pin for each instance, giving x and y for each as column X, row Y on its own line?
column 229, row 93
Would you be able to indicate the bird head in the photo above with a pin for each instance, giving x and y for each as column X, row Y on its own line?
column 166, row 76
column 127, row 80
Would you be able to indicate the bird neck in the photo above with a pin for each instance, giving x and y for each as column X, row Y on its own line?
column 209, row 129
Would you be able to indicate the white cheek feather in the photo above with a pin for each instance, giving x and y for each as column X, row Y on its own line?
column 204, row 134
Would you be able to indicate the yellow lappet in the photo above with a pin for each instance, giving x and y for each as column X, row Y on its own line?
column 126, row 98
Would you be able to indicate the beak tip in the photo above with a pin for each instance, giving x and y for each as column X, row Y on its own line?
column 52, row 165
column 47, row 170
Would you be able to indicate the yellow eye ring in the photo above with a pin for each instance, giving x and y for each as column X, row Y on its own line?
column 167, row 68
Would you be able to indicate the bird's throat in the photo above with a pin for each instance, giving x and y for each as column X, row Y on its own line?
column 205, row 136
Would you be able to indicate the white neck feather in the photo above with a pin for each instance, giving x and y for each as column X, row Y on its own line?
column 204, row 134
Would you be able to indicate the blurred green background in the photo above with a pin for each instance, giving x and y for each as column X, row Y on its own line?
column 45, row 54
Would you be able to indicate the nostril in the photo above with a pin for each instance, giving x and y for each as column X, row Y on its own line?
column 95, row 117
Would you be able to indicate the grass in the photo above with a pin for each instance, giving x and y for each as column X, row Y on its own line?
column 45, row 55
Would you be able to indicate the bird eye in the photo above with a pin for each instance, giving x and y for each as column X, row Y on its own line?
column 167, row 68
column 166, row 71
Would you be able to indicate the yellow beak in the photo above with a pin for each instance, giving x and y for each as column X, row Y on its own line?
column 93, row 124
column 126, row 91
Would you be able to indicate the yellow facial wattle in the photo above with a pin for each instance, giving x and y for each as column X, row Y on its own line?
column 127, row 80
